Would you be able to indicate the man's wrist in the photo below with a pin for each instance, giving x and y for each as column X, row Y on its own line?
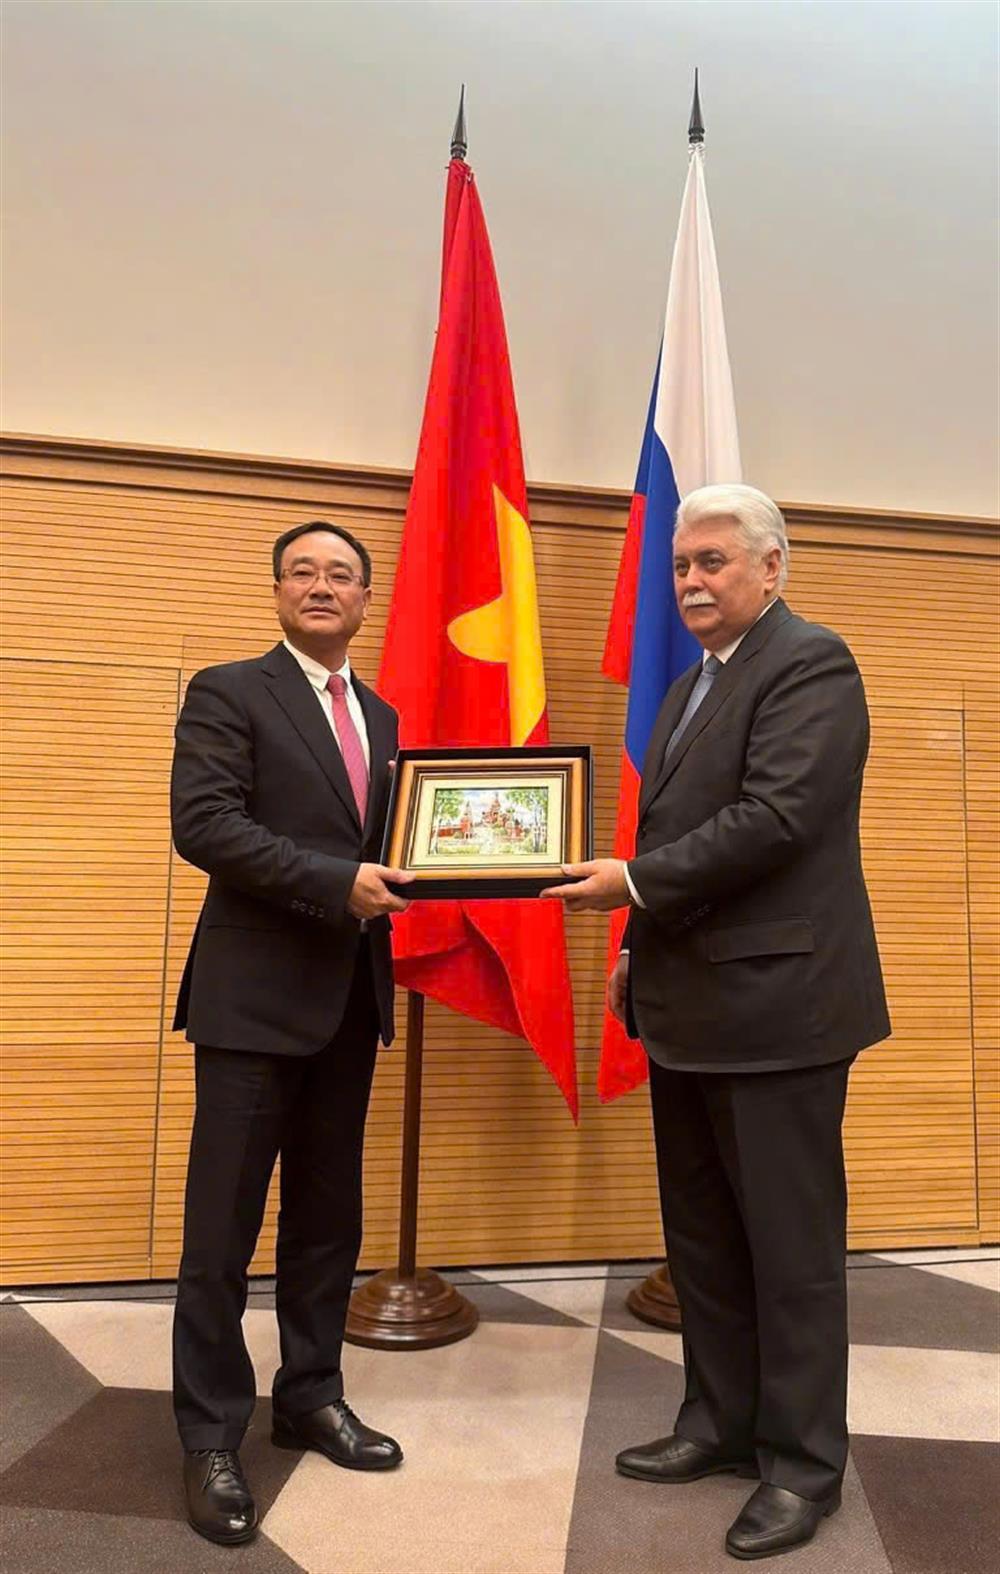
column 633, row 893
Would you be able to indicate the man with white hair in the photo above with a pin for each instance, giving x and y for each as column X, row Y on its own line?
column 749, row 970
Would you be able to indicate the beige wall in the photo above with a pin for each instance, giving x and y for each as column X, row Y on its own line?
column 223, row 224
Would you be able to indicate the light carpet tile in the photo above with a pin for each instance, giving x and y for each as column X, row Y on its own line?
column 596, row 1271
column 897, row 1392
column 983, row 1275
column 918, row 1256
column 491, row 1429
column 579, row 1298
column 127, row 1344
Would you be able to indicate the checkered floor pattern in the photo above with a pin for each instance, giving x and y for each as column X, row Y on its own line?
column 509, row 1438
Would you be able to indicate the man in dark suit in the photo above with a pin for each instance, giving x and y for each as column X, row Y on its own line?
column 750, row 972
column 279, row 792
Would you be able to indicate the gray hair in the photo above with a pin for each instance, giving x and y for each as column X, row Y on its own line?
column 759, row 521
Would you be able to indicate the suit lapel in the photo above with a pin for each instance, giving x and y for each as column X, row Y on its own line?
column 724, row 684
column 670, row 714
column 297, row 698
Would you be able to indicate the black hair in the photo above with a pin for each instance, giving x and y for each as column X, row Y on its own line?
column 289, row 536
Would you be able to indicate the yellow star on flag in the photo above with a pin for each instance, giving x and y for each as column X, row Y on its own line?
column 508, row 629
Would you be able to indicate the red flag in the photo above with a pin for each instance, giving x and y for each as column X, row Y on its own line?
column 462, row 661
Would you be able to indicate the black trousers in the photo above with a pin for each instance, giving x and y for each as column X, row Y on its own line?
column 754, row 1202
column 249, row 1108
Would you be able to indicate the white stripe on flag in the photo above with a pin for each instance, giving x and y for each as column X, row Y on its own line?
column 695, row 416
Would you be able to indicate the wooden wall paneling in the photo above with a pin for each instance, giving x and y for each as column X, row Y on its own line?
column 982, row 736
column 987, row 1064
column 172, row 552
column 910, row 1129
column 911, row 644
column 85, row 860
column 175, row 1103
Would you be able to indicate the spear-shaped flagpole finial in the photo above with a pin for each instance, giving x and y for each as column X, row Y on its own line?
column 696, row 128
column 459, row 138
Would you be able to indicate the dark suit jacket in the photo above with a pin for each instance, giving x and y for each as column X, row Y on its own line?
column 260, row 799
column 756, row 950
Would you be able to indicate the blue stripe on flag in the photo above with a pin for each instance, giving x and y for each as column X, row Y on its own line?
column 662, row 648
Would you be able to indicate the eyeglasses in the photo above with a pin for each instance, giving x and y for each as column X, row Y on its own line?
column 304, row 578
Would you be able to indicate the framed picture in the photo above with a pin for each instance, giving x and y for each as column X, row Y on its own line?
column 489, row 822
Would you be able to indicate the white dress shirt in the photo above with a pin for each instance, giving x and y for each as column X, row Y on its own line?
column 722, row 656
column 319, row 677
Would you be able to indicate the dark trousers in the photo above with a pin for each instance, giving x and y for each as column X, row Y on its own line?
column 754, row 1201
column 249, row 1108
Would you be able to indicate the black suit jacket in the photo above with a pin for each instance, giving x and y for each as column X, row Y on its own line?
column 756, row 949
column 260, row 799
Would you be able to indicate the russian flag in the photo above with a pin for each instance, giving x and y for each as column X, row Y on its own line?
column 690, row 441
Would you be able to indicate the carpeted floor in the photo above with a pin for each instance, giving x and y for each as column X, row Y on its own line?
column 509, row 1438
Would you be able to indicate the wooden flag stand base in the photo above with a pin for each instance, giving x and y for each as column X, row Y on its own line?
column 655, row 1300
column 406, row 1307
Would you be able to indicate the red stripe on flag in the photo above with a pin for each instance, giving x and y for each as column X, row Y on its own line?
column 617, row 663
column 623, row 1065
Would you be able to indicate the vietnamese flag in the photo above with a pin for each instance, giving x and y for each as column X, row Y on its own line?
column 462, row 661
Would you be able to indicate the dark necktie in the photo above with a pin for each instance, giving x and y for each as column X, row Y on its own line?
column 350, row 744
column 705, row 679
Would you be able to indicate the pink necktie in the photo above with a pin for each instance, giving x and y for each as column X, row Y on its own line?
column 350, row 744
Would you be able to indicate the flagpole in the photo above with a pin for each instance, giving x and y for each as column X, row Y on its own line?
column 406, row 1307
column 459, row 137
column 655, row 1299
column 409, row 1189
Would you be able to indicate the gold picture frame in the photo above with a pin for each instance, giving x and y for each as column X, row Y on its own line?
column 489, row 822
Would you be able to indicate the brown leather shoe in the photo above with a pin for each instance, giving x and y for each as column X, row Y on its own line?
column 219, row 1504
column 336, row 1432
column 775, row 1520
column 677, row 1459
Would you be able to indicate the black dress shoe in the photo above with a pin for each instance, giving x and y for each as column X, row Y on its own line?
column 219, row 1504
column 676, row 1459
column 776, row 1520
column 336, row 1432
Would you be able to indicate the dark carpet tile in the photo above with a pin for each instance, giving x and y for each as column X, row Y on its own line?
column 43, row 1541
column 162, row 1292
column 498, row 1304
column 889, row 1305
column 131, row 1290
column 634, row 1397
column 40, row 1383
column 620, row 1526
column 936, row 1503
column 900, row 1305
column 119, row 1455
